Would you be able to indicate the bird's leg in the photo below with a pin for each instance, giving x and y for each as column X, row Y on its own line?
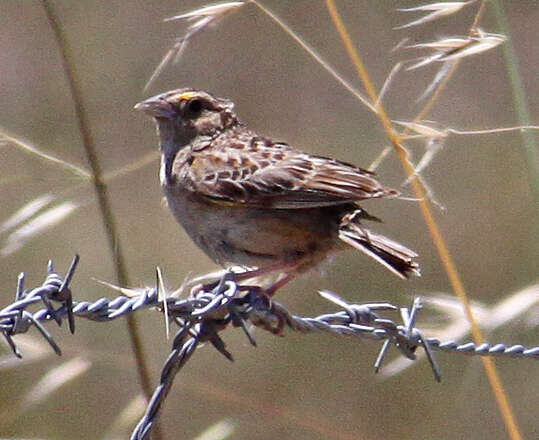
column 265, row 294
column 270, row 291
column 285, row 273
column 260, row 271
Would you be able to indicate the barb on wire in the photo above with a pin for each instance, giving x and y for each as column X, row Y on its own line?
column 16, row 319
column 212, row 307
column 223, row 300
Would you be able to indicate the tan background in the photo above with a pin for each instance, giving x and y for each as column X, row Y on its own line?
column 300, row 387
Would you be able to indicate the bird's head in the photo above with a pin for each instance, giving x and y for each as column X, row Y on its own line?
column 188, row 117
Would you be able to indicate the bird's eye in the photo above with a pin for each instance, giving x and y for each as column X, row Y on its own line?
column 193, row 108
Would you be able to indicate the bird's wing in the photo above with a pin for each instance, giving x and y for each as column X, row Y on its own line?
column 274, row 175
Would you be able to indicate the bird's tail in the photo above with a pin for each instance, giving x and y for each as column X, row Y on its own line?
column 397, row 258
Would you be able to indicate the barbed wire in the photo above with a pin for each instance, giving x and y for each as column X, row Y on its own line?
column 211, row 308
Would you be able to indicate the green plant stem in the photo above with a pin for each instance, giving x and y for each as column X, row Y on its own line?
column 529, row 142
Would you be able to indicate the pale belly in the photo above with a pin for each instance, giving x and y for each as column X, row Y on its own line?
column 253, row 236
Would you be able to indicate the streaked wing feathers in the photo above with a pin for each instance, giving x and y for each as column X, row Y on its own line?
column 269, row 174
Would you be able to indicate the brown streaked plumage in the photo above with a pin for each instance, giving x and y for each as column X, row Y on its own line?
column 248, row 200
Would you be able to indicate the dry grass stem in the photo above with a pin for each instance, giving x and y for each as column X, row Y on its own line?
column 443, row 72
column 126, row 419
column 54, row 379
column 72, row 75
column 29, row 148
column 439, row 10
column 36, row 226
column 131, row 167
column 380, row 158
column 520, row 128
column 203, row 18
column 432, row 147
column 310, row 50
column 387, row 83
column 455, row 48
column 436, row 234
column 26, row 212
column 218, row 431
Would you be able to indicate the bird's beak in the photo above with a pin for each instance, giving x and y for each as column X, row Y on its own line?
column 156, row 107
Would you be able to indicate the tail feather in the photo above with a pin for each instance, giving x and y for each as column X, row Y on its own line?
column 394, row 256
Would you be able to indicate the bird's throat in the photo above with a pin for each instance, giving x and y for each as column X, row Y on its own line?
column 165, row 172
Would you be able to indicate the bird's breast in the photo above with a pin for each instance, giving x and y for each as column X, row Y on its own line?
column 239, row 234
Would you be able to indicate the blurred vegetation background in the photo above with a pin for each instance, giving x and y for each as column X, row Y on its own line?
column 301, row 387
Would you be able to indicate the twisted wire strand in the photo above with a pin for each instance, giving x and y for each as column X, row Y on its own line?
column 355, row 320
column 213, row 307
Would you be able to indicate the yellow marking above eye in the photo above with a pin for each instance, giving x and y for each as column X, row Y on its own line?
column 185, row 96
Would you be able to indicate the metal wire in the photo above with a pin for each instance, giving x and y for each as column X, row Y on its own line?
column 213, row 307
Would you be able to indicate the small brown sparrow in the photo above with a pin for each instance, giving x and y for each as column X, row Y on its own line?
column 248, row 200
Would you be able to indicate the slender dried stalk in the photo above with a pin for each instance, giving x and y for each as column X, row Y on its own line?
column 443, row 251
column 82, row 119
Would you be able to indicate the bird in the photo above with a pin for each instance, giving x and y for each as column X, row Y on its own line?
column 248, row 200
